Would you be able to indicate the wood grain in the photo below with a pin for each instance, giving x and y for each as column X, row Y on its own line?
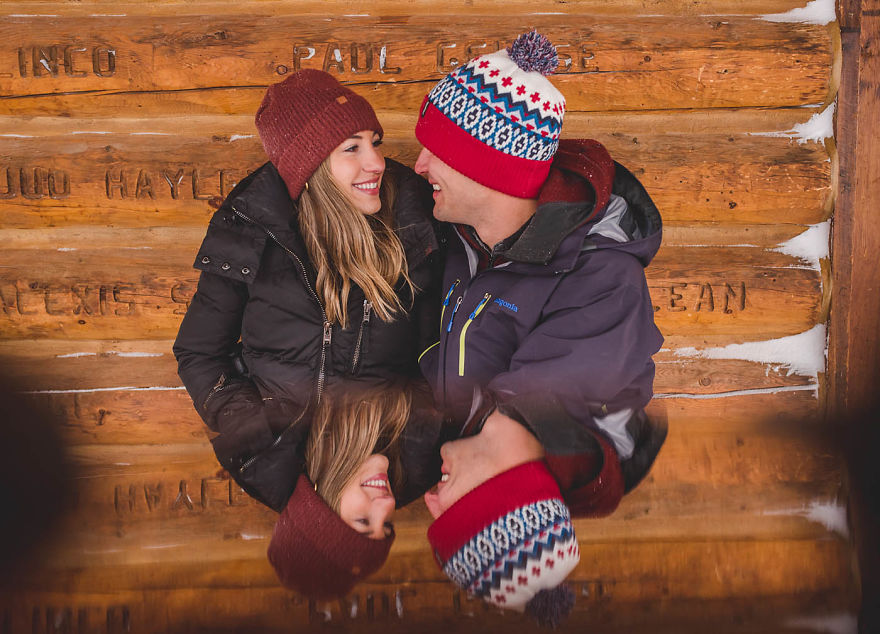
column 101, row 66
column 377, row 608
column 170, row 173
column 143, row 292
column 577, row 8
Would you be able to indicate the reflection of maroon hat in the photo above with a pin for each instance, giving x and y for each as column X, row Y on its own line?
column 303, row 118
column 316, row 553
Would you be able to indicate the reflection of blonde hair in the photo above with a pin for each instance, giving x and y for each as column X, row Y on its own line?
column 346, row 429
column 349, row 247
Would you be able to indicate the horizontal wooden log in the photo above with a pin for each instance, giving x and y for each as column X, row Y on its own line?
column 745, row 293
column 377, row 609
column 100, row 66
column 629, row 571
column 148, row 416
column 760, row 476
column 133, row 173
column 634, row 8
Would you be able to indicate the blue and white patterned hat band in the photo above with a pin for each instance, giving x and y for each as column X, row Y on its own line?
column 528, row 549
column 497, row 119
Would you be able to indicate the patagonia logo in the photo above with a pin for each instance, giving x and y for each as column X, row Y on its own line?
column 506, row 305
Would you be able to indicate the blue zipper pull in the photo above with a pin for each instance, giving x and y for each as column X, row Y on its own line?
column 449, row 294
column 479, row 306
column 454, row 310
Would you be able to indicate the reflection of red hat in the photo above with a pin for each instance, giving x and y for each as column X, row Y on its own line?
column 303, row 118
column 316, row 553
column 510, row 541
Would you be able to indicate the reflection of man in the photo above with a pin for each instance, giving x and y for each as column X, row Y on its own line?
column 544, row 358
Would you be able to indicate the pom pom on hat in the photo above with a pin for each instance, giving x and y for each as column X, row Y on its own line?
column 550, row 607
column 533, row 52
column 497, row 119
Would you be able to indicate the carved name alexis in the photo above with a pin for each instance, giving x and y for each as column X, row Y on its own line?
column 20, row 299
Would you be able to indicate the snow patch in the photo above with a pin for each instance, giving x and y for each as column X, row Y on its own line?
column 829, row 514
column 18, row 136
column 138, row 354
column 65, row 249
column 811, row 246
column 764, row 390
column 75, row 354
column 237, row 137
column 150, row 134
column 819, row 127
column 250, row 536
column 802, row 354
column 88, row 132
column 816, row 12
column 831, row 624
column 130, row 388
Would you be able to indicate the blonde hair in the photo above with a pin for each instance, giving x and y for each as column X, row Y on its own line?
column 347, row 246
column 346, row 429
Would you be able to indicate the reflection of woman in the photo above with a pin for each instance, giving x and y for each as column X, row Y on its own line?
column 315, row 275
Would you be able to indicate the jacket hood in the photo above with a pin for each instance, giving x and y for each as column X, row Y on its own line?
column 590, row 195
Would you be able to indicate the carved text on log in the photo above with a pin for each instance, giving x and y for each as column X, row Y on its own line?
column 78, row 299
column 450, row 55
column 76, row 60
column 111, row 619
column 181, row 496
column 174, row 182
column 34, row 183
column 700, row 297
column 360, row 58
column 341, row 57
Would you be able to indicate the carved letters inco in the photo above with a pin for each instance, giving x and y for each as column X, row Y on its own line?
column 77, row 61
column 81, row 619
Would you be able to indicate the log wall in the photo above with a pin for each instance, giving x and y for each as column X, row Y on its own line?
column 122, row 126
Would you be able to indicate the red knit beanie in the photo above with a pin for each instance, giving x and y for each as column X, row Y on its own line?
column 497, row 119
column 510, row 541
column 316, row 553
column 303, row 118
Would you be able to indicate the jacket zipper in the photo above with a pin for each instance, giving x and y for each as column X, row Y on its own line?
column 446, row 345
column 461, row 338
column 325, row 340
column 356, row 357
column 446, row 300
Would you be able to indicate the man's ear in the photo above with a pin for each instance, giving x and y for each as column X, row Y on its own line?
column 432, row 501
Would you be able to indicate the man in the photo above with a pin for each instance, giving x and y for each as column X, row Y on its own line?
column 547, row 331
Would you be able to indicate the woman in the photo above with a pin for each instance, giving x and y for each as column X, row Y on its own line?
column 317, row 278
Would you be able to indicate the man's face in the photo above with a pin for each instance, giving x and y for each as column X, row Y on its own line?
column 468, row 462
column 457, row 198
column 466, row 465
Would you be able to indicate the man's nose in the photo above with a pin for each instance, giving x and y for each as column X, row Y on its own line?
column 422, row 162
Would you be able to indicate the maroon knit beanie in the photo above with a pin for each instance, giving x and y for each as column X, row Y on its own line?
column 316, row 553
column 303, row 118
